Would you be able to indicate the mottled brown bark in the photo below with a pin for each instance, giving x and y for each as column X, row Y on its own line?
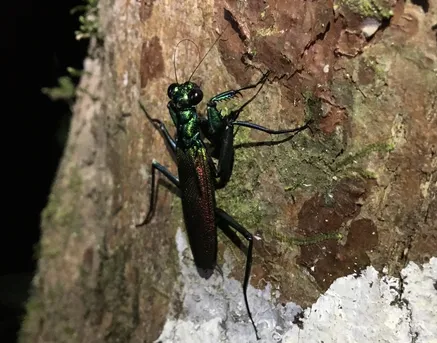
column 367, row 170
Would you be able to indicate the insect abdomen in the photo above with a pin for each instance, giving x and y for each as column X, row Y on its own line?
column 198, row 204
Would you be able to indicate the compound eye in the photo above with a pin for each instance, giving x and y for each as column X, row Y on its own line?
column 196, row 96
column 172, row 89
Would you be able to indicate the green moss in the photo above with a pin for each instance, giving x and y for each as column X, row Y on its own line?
column 299, row 163
column 59, row 212
column 113, row 276
column 64, row 91
column 293, row 165
column 113, row 288
column 56, row 212
column 73, row 72
column 89, row 20
column 378, row 9
column 49, row 250
column 302, row 164
column 313, row 105
column 305, row 241
column 353, row 157
column 34, row 305
column 30, row 324
column 379, row 67
column 321, row 166
column 75, row 183
column 234, row 197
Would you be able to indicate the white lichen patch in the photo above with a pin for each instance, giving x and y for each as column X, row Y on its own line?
column 370, row 308
column 357, row 308
column 420, row 291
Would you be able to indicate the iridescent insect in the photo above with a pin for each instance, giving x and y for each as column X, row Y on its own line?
column 198, row 177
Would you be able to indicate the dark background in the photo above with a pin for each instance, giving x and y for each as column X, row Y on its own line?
column 38, row 45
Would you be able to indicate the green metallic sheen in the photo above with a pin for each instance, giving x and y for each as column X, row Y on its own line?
column 182, row 107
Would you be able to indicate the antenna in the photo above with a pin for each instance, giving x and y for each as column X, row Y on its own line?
column 174, row 55
column 198, row 65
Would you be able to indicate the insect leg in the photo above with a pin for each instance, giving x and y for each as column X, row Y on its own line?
column 215, row 118
column 225, row 158
column 234, row 92
column 161, row 127
column 225, row 222
column 234, row 114
column 270, row 131
column 152, row 204
column 216, row 122
column 219, row 131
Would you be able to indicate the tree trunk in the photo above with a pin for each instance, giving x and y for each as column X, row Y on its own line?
column 329, row 207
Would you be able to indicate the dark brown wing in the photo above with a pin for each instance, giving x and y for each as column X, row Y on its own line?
column 198, row 204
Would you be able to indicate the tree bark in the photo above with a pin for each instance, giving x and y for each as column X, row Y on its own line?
column 358, row 190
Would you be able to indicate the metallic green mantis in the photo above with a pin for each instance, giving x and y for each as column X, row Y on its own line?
column 199, row 176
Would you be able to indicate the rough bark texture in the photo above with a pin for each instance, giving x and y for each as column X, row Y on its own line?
column 358, row 190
